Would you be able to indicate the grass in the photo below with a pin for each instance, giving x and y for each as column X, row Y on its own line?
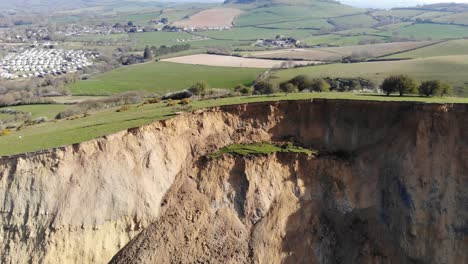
column 67, row 132
column 400, row 13
column 448, row 48
column 452, row 69
column 163, row 77
column 263, row 148
column 307, row 23
column 282, row 13
column 251, row 34
column 340, row 40
column 337, row 53
column 360, row 21
column 171, row 38
column 459, row 18
column 42, row 110
column 430, row 31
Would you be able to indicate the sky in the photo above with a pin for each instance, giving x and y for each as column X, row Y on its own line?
column 395, row 3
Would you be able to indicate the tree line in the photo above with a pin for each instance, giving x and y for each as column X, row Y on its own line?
column 404, row 84
column 153, row 51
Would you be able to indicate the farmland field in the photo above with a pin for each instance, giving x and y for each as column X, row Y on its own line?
column 459, row 18
column 400, row 13
column 163, row 77
column 216, row 17
column 430, row 31
column 341, row 40
column 360, row 20
column 314, row 23
column 452, row 69
column 253, row 33
column 277, row 14
column 447, row 48
column 332, row 54
column 232, row 61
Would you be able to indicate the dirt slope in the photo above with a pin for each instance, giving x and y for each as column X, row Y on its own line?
column 389, row 187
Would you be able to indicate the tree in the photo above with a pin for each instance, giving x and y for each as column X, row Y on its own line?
column 148, row 53
column 401, row 83
column 429, row 88
column 302, row 82
column 130, row 24
column 199, row 88
column 263, row 87
column 319, row 85
column 287, row 87
column 446, row 89
column 164, row 20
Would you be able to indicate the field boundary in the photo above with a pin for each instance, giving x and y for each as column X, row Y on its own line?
column 425, row 46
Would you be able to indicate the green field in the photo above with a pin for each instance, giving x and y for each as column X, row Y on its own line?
column 447, row 48
column 67, row 132
column 178, row 38
column 251, row 34
column 400, row 13
column 459, row 18
column 341, row 40
column 163, row 77
column 44, row 110
column 429, row 31
column 452, row 69
column 301, row 24
column 359, row 21
column 275, row 14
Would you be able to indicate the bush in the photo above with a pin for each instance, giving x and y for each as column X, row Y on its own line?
column 36, row 121
column 153, row 101
column 185, row 101
column 349, row 84
column 319, row 85
column 446, row 89
column 263, row 87
column 402, row 84
column 287, row 87
column 123, row 109
column 199, row 88
column 5, row 132
column 302, row 82
column 244, row 90
column 171, row 102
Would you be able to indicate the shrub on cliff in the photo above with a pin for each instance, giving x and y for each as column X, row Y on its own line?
column 199, row 88
column 402, row 84
column 244, row 90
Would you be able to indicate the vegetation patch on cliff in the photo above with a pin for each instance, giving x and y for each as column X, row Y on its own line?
column 261, row 148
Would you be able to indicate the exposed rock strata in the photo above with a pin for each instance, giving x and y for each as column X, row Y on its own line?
column 390, row 188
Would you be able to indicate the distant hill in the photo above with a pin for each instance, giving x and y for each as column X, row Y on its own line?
column 447, row 7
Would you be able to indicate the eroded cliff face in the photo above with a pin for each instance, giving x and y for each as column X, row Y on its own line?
column 389, row 187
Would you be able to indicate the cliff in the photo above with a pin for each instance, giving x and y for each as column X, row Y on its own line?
column 389, row 187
